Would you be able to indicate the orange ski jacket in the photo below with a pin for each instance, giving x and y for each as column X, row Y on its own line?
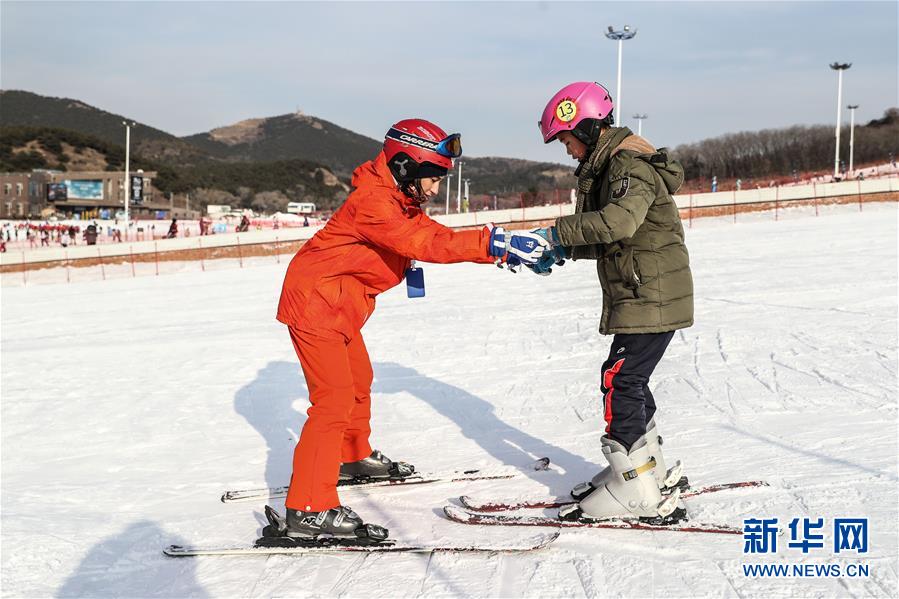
column 365, row 249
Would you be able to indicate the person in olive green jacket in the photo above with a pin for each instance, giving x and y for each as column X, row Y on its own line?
column 627, row 221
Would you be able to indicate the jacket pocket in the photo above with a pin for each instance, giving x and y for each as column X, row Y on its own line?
column 627, row 267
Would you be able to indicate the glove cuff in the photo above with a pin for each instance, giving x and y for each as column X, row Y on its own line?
column 497, row 244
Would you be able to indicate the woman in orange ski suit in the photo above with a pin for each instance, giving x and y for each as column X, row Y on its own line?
column 331, row 284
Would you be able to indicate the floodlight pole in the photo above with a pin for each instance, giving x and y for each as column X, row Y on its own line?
column 459, row 192
column 449, row 180
column 619, row 36
column 851, row 108
column 640, row 118
column 839, row 68
column 127, row 182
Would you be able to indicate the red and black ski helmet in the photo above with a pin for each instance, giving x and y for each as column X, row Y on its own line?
column 416, row 149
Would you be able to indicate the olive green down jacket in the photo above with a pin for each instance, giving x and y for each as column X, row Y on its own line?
column 627, row 221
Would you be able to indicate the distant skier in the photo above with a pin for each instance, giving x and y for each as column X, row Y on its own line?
column 173, row 229
column 627, row 221
column 329, row 293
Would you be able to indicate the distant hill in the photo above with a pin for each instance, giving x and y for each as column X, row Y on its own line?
column 22, row 108
column 297, row 136
column 28, row 148
column 266, row 145
column 288, row 137
column 510, row 176
column 263, row 186
column 772, row 153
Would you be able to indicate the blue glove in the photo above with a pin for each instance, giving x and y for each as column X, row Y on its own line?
column 512, row 263
column 554, row 257
column 525, row 246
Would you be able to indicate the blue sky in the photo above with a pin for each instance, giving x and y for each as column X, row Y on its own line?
column 698, row 69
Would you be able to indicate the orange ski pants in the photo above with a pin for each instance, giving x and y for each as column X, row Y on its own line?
column 339, row 376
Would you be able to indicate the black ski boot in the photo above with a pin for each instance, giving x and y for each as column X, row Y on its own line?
column 377, row 466
column 338, row 526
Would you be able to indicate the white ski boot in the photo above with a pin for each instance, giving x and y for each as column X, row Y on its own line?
column 668, row 479
column 630, row 491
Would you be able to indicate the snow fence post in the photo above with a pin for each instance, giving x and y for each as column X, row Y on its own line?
column 277, row 250
column 100, row 258
column 815, row 196
column 239, row 253
column 24, row 275
column 156, row 255
column 691, row 211
column 859, row 185
column 735, row 206
column 131, row 255
column 776, row 200
column 202, row 263
column 68, row 279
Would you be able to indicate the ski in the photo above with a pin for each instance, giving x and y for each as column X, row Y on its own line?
column 494, row 506
column 389, row 546
column 414, row 479
column 461, row 516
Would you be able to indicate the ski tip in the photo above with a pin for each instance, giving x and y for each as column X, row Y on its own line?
column 456, row 514
column 541, row 464
column 466, row 501
column 174, row 551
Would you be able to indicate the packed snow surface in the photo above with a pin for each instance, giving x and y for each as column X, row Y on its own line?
column 129, row 405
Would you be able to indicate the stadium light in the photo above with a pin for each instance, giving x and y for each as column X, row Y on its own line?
column 127, row 182
column 449, row 181
column 851, row 108
column 459, row 192
column 640, row 118
column 839, row 68
column 619, row 36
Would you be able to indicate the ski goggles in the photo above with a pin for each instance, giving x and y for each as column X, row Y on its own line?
column 450, row 147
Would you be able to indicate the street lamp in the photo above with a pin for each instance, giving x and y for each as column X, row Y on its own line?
column 619, row 36
column 127, row 185
column 851, row 108
column 839, row 68
column 640, row 118
column 449, row 181
column 467, row 181
column 459, row 192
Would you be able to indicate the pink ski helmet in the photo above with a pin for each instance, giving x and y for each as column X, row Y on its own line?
column 571, row 105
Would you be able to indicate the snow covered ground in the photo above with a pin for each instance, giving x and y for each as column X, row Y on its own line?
column 129, row 405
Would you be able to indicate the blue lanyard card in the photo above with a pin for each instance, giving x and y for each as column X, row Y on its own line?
column 415, row 282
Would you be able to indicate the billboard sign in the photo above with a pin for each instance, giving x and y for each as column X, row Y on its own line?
column 137, row 189
column 57, row 192
column 84, row 189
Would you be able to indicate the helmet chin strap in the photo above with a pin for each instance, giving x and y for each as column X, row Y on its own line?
column 413, row 191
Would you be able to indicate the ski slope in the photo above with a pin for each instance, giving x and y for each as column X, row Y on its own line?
column 129, row 405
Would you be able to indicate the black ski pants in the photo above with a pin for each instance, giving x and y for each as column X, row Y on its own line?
column 627, row 401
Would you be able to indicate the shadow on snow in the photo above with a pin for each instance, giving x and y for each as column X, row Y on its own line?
column 267, row 403
column 131, row 564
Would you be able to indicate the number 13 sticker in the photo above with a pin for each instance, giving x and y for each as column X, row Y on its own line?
column 566, row 111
